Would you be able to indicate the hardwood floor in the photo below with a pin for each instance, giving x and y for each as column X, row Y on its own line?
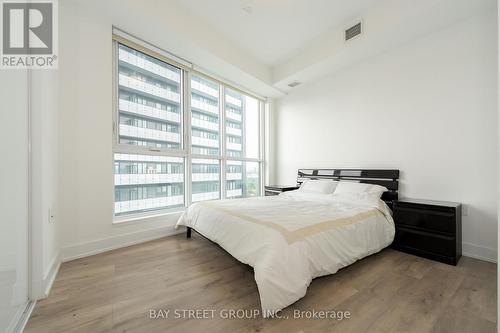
column 387, row 292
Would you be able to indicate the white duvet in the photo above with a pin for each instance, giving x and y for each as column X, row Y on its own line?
column 292, row 238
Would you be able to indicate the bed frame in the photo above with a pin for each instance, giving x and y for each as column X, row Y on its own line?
column 387, row 178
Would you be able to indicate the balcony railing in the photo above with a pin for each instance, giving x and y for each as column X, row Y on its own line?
column 204, row 89
column 205, row 196
column 147, row 204
column 234, row 101
column 234, row 193
column 148, row 111
column 233, row 116
column 146, row 133
column 200, row 177
column 233, row 131
column 197, row 141
column 148, row 158
column 204, row 106
column 156, row 178
column 149, row 66
column 234, row 176
column 205, row 124
column 136, row 84
column 233, row 146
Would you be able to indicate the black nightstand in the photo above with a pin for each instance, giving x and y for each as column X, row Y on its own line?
column 277, row 189
column 431, row 229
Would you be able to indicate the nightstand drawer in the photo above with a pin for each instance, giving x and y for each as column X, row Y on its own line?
column 429, row 228
column 408, row 239
column 442, row 221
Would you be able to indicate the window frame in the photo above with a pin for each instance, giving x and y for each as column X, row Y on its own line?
column 116, row 117
column 185, row 151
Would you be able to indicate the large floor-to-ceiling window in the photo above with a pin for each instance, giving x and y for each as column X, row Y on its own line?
column 180, row 136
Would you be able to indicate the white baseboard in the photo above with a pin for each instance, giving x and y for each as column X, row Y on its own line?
column 107, row 244
column 50, row 276
column 19, row 322
column 479, row 252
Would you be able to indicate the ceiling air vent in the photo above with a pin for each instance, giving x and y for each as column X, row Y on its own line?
column 353, row 31
column 293, row 84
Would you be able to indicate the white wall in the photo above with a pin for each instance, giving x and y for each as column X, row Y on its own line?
column 44, row 170
column 85, row 145
column 14, row 202
column 498, row 157
column 427, row 108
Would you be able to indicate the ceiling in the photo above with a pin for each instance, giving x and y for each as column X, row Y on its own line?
column 264, row 45
column 272, row 31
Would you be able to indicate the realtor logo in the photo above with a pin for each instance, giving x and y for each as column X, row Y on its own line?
column 29, row 34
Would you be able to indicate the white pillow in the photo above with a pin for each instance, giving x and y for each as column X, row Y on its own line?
column 323, row 186
column 309, row 196
column 360, row 198
column 346, row 187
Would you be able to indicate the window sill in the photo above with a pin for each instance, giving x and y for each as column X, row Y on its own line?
column 122, row 220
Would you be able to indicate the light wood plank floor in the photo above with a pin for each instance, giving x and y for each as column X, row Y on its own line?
column 387, row 292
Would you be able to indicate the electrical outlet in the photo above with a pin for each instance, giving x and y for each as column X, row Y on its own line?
column 465, row 210
column 52, row 218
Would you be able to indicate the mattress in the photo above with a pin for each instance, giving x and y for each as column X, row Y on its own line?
column 292, row 238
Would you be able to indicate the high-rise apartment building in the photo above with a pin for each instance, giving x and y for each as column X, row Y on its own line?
column 205, row 138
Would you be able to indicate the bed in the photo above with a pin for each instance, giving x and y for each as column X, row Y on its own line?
column 297, row 236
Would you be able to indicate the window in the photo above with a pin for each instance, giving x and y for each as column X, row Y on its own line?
column 205, row 114
column 205, row 179
column 149, row 100
column 242, row 125
column 180, row 136
column 242, row 179
column 147, row 182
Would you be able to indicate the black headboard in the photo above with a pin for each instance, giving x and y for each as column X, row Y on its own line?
column 387, row 178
